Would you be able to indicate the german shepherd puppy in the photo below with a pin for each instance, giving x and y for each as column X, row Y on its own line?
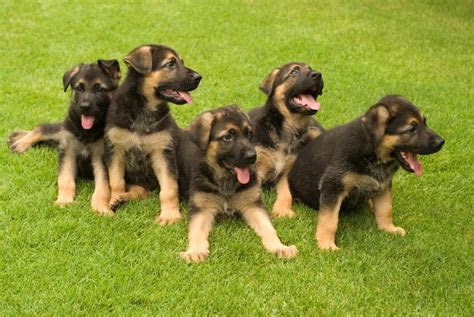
column 141, row 132
column 355, row 162
column 79, row 138
column 284, row 125
column 217, row 175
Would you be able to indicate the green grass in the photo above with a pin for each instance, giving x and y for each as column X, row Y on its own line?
column 69, row 261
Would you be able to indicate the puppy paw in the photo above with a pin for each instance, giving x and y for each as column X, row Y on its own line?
column 168, row 218
column 194, row 256
column 15, row 143
column 102, row 209
column 327, row 245
column 278, row 213
column 63, row 201
column 117, row 200
column 394, row 230
column 286, row 252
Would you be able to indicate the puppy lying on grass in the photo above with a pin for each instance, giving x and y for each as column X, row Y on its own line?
column 216, row 172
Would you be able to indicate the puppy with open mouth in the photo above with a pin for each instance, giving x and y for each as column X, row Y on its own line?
column 284, row 125
column 79, row 138
column 141, row 134
column 355, row 163
column 217, row 176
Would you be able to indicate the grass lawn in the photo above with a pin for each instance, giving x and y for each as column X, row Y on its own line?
column 70, row 261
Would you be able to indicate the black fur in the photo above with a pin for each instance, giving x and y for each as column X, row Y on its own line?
column 316, row 177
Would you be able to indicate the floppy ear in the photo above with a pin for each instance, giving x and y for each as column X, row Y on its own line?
column 140, row 59
column 111, row 67
column 200, row 129
column 376, row 119
column 266, row 85
column 67, row 77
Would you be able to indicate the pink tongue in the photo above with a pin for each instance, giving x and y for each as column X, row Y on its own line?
column 308, row 101
column 415, row 165
column 186, row 96
column 87, row 122
column 243, row 174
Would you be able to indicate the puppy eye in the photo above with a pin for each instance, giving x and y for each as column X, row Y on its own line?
column 99, row 88
column 295, row 72
column 249, row 134
column 228, row 137
column 79, row 88
column 413, row 128
column 170, row 64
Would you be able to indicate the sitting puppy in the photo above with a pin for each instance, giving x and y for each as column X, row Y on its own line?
column 284, row 125
column 79, row 138
column 141, row 133
column 217, row 174
column 355, row 162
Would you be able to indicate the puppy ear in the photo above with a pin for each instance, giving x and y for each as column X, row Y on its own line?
column 67, row 77
column 140, row 59
column 266, row 85
column 200, row 129
column 376, row 120
column 111, row 67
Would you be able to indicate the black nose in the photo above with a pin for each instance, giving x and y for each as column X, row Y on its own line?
column 315, row 75
column 437, row 142
column 196, row 77
column 250, row 156
column 85, row 104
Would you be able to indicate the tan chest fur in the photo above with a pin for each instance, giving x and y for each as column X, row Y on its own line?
column 70, row 143
column 125, row 139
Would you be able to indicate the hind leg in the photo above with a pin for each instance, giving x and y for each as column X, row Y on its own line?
column 21, row 141
column 134, row 192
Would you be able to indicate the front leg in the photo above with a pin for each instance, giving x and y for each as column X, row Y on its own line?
column 163, row 162
column 101, row 196
column 67, row 177
column 284, row 200
column 382, row 205
column 258, row 219
column 116, row 172
column 200, row 224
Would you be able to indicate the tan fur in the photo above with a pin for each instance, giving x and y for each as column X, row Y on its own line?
column 328, row 218
column 22, row 141
column 353, row 180
column 258, row 219
column 267, row 83
column 199, row 227
column 101, row 195
column 386, row 146
column 381, row 114
column 168, row 190
column 136, row 192
column 154, row 144
column 117, row 176
column 382, row 204
column 66, row 180
column 284, row 201
column 140, row 59
column 150, row 82
column 212, row 149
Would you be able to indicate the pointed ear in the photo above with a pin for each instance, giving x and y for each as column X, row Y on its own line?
column 376, row 119
column 140, row 59
column 200, row 129
column 67, row 77
column 266, row 85
column 111, row 67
